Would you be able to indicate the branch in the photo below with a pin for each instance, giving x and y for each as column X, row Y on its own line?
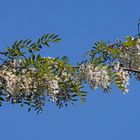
column 124, row 68
column 131, row 70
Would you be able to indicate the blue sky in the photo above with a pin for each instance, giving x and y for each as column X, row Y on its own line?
column 80, row 23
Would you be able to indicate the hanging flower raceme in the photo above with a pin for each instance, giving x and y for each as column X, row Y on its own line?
column 96, row 76
column 130, row 55
column 121, row 77
column 24, row 82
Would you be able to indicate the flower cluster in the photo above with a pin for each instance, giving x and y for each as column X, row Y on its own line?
column 131, row 56
column 53, row 89
column 96, row 76
column 121, row 77
column 23, row 82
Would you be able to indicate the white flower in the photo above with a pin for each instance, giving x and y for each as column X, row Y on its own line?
column 122, row 75
column 96, row 76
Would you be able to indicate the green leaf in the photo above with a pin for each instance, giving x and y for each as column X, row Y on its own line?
column 121, row 87
column 29, row 42
column 130, row 41
column 51, row 36
column 46, row 43
column 33, row 57
column 30, row 50
column 65, row 59
column 2, row 99
column 74, row 100
column 99, row 60
column 38, row 41
column 15, row 44
column 42, row 38
column 55, row 36
column 46, row 35
column 57, row 40
column 29, row 109
column 19, row 42
column 39, row 46
column 25, row 41
column 74, row 95
column 38, row 57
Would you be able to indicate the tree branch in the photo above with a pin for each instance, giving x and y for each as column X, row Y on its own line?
column 131, row 70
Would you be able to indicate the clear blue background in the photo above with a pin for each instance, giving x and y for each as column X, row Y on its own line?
column 80, row 23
